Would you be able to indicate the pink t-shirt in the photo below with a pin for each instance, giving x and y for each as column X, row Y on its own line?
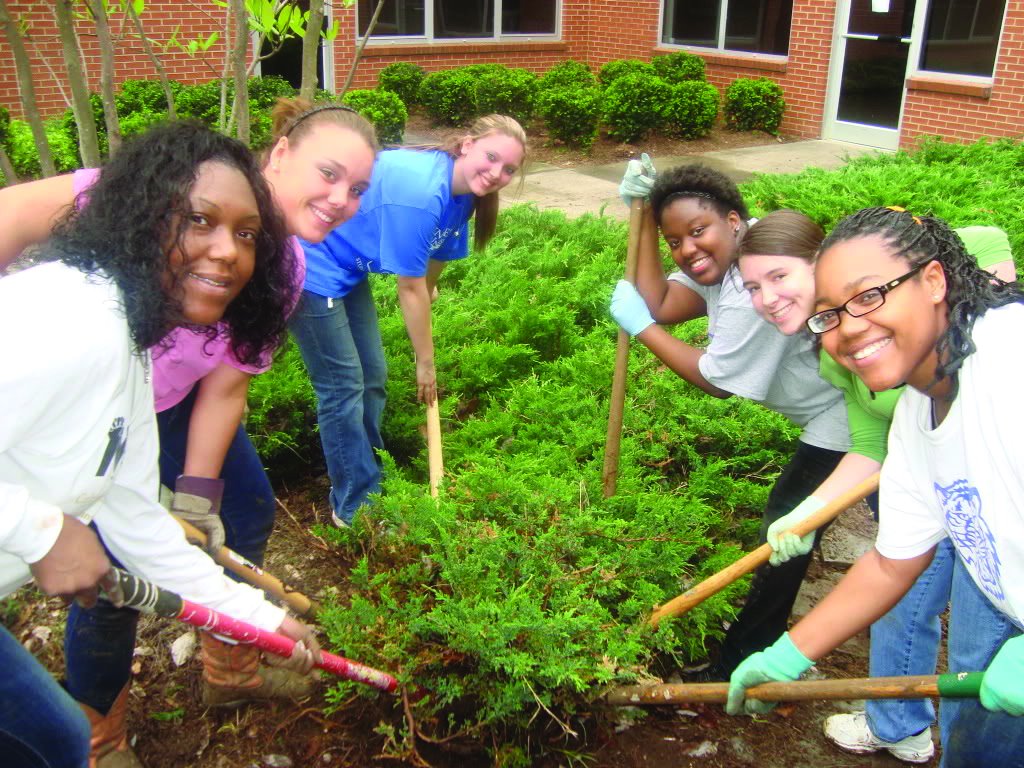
column 190, row 355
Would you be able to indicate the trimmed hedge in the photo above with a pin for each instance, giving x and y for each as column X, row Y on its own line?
column 633, row 105
column 448, row 96
column 506, row 91
column 613, row 70
column 754, row 104
column 691, row 109
column 571, row 114
column 382, row 108
column 679, row 67
column 402, row 78
column 568, row 74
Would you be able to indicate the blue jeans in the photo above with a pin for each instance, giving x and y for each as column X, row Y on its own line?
column 971, row 735
column 40, row 725
column 342, row 348
column 906, row 642
column 99, row 641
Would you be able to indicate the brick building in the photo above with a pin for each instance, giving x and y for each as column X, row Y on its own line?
column 877, row 72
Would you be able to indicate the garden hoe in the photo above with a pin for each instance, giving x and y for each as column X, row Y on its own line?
column 962, row 685
column 677, row 606
column 610, row 472
column 132, row 592
column 434, row 459
column 252, row 573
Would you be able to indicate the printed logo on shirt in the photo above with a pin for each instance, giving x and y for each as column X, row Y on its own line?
column 117, row 439
column 364, row 265
column 961, row 506
column 440, row 235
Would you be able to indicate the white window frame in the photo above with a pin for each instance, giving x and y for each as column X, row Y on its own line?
column 428, row 29
column 917, row 44
column 664, row 22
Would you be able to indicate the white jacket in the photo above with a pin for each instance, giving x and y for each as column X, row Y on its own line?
column 78, row 435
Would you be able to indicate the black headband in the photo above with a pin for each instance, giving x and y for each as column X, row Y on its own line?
column 319, row 108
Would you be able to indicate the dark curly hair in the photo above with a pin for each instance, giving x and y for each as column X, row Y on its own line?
column 697, row 181
column 970, row 290
column 140, row 203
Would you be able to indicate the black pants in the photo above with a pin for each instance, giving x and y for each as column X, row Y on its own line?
column 766, row 613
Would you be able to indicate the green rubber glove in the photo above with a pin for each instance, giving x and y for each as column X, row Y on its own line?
column 780, row 662
column 638, row 179
column 1002, row 687
column 785, row 545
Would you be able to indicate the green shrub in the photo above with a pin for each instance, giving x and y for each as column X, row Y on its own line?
column 382, row 108
column 448, row 96
column 754, row 104
column 633, row 105
column 506, row 91
column 25, row 157
column 679, row 67
column 571, row 114
column 69, row 125
column 139, row 121
column 202, row 101
column 402, row 78
column 613, row 70
column 691, row 109
column 265, row 90
column 567, row 74
column 143, row 96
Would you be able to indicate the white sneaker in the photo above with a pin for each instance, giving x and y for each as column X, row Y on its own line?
column 851, row 732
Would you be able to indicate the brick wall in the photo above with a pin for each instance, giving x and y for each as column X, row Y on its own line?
column 966, row 114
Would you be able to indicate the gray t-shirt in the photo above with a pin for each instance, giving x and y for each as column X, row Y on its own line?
column 750, row 358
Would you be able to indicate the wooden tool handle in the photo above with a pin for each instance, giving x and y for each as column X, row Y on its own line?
column 435, row 461
column 750, row 562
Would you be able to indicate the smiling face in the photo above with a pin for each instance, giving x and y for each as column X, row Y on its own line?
column 318, row 182
column 214, row 254
column 895, row 343
column 486, row 164
column 781, row 289
column 702, row 241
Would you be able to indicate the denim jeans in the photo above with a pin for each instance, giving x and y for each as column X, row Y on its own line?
column 40, row 724
column 971, row 735
column 906, row 642
column 99, row 641
column 342, row 348
column 248, row 506
column 765, row 614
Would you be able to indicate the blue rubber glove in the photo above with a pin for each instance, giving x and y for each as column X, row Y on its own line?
column 785, row 545
column 780, row 662
column 629, row 309
column 638, row 179
column 1002, row 687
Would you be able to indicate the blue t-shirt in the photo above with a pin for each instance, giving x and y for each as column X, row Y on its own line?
column 407, row 217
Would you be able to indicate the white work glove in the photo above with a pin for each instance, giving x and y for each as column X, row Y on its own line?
column 638, row 179
column 197, row 500
column 785, row 545
column 629, row 309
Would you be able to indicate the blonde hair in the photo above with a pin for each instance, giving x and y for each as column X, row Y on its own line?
column 297, row 118
column 485, row 208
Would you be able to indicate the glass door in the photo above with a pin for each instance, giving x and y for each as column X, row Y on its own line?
column 868, row 71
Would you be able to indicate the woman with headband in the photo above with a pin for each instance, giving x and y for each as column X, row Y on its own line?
column 414, row 220
column 318, row 169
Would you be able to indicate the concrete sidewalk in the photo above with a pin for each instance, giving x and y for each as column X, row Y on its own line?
column 591, row 189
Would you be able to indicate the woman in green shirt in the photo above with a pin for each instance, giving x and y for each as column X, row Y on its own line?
column 776, row 263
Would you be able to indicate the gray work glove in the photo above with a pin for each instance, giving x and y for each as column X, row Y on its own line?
column 197, row 500
column 638, row 179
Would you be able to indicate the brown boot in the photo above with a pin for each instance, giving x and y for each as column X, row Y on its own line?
column 109, row 745
column 233, row 675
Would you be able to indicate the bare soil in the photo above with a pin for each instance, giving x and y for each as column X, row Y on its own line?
column 171, row 728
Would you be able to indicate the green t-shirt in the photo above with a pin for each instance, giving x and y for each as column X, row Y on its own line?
column 870, row 413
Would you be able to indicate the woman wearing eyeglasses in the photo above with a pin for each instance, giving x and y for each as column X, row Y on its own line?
column 899, row 300
column 777, row 264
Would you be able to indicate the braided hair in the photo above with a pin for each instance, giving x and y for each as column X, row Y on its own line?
column 970, row 290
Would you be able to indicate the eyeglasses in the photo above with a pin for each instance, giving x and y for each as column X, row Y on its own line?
column 860, row 305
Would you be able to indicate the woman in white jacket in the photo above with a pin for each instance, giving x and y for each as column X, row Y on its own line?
column 179, row 230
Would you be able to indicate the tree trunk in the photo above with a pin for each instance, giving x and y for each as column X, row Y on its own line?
column 362, row 44
column 311, row 49
column 106, row 43
column 238, row 66
column 81, row 105
column 27, row 91
column 158, row 65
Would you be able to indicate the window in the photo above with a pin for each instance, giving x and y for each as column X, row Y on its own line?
column 962, row 36
column 759, row 26
column 459, row 19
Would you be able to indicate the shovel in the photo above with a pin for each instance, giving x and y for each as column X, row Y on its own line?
column 144, row 596
column 961, row 685
column 435, row 461
column 677, row 606
column 610, row 471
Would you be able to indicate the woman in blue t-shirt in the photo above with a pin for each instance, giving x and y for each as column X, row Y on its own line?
column 413, row 219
